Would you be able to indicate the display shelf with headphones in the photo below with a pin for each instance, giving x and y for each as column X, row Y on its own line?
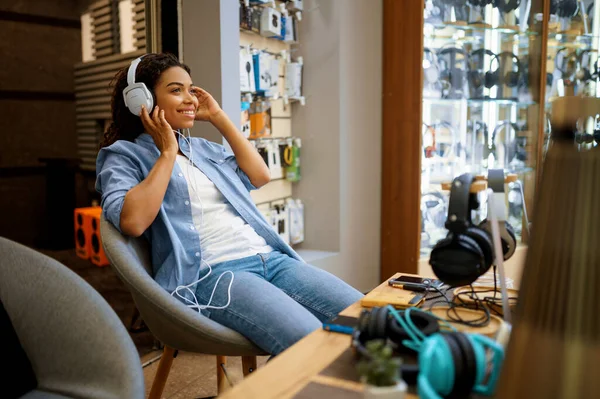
column 480, row 60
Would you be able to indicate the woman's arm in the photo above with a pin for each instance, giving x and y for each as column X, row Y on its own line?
column 246, row 155
column 248, row 159
column 143, row 201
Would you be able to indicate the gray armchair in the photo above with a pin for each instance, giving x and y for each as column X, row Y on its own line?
column 76, row 344
column 169, row 320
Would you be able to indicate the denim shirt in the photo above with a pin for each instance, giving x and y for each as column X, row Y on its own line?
column 174, row 241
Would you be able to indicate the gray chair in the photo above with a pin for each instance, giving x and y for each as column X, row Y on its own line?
column 170, row 321
column 76, row 344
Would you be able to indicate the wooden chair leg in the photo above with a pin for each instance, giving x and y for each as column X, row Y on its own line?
column 160, row 379
column 222, row 383
column 248, row 364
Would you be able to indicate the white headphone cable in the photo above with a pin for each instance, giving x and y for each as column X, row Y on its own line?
column 194, row 304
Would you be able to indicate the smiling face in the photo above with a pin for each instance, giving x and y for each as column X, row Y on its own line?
column 175, row 96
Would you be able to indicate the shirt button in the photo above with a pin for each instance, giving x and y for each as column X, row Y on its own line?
column 197, row 254
column 187, row 202
column 192, row 227
column 181, row 175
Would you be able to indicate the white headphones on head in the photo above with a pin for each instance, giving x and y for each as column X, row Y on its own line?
column 137, row 94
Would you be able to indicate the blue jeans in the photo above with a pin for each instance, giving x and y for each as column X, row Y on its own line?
column 275, row 300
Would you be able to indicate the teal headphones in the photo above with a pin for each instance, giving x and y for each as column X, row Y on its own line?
column 454, row 365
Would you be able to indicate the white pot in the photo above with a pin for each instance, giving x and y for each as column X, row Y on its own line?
column 392, row 392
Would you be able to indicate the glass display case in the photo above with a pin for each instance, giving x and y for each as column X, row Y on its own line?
column 572, row 64
column 481, row 103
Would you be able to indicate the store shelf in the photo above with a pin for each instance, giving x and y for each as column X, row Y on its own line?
column 478, row 28
column 480, row 101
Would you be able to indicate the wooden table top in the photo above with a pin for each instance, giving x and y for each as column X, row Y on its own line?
column 287, row 374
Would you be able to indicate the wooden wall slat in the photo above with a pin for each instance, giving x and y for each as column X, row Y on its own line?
column 101, row 12
column 99, row 4
column 104, row 52
column 139, row 17
column 93, row 93
column 103, row 35
column 88, row 68
column 103, row 44
column 106, row 19
column 97, row 29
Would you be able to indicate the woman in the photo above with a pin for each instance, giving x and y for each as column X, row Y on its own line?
column 211, row 247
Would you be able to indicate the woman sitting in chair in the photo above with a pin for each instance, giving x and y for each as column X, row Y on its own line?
column 211, row 247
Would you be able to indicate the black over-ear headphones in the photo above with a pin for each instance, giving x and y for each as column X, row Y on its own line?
column 507, row 233
column 476, row 67
column 479, row 3
column 378, row 323
column 467, row 251
column 506, row 6
column 453, row 69
column 510, row 79
column 567, row 8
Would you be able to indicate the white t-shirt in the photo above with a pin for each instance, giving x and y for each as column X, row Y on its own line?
column 224, row 235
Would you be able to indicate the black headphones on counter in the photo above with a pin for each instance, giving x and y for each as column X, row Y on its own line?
column 467, row 252
column 450, row 364
column 379, row 323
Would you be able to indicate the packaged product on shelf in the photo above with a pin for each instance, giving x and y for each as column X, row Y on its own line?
column 296, row 211
column 256, row 17
column 245, row 128
column 282, row 216
column 291, row 159
column 274, row 160
column 295, row 5
column 245, row 16
column 266, row 73
column 293, row 79
column 270, row 22
column 260, row 119
column 246, row 71
column 290, row 30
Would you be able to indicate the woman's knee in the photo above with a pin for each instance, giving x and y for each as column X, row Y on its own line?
column 289, row 334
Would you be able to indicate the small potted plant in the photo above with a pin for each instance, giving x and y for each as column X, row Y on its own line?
column 381, row 372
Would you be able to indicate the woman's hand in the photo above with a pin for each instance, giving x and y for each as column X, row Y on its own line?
column 160, row 130
column 208, row 107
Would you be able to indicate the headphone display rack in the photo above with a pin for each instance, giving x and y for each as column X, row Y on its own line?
column 257, row 37
column 482, row 103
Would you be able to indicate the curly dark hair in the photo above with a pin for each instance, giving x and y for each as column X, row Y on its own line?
column 125, row 125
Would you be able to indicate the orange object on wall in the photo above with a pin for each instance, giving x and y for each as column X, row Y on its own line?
column 88, row 243
column 83, row 231
column 97, row 255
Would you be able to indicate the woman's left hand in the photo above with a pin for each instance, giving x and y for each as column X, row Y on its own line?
column 208, row 107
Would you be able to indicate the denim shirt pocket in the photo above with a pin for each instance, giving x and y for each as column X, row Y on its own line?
column 178, row 183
